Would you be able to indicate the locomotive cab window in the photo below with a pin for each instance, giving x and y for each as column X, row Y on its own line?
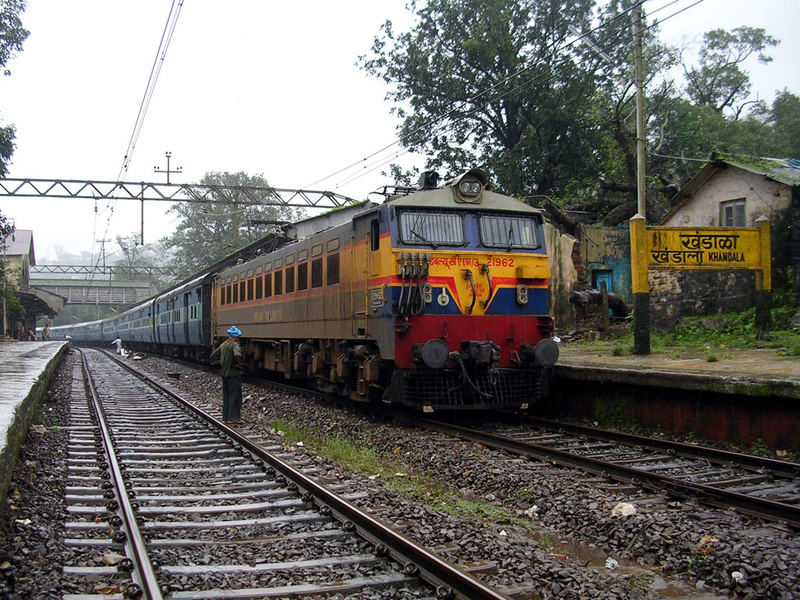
column 432, row 228
column 503, row 231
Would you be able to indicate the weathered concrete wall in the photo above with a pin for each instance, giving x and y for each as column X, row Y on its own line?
column 763, row 196
column 609, row 249
column 564, row 275
column 675, row 294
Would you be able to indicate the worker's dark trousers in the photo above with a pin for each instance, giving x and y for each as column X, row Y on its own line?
column 231, row 398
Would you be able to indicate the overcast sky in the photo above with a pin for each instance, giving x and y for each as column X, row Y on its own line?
column 259, row 86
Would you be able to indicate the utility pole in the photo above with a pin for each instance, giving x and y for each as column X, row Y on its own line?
column 641, row 203
column 178, row 170
column 157, row 170
column 103, row 251
column 641, row 292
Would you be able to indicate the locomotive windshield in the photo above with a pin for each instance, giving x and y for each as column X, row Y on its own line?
column 503, row 231
column 432, row 228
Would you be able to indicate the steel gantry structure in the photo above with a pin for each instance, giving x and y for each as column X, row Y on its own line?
column 107, row 284
column 103, row 291
column 171, row 192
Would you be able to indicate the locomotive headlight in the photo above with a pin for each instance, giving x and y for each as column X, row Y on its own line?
column 522, row 294
column 470, row 188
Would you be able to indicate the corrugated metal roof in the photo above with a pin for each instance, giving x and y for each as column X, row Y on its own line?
column 19, row 243
column 782, row 170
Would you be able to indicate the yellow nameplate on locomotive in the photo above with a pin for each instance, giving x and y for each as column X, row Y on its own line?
column 533, row 272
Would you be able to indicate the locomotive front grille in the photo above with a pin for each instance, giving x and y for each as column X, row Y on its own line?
column 446, row 389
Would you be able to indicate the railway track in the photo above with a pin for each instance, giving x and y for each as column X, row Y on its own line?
column 166, row 502
column 762, row 487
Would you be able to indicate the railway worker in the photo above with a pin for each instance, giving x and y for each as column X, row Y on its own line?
column 229, row 356
column 118, row 343
column 46, row 332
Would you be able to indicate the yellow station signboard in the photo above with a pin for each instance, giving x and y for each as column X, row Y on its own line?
column 699, row 248
column 718, row 248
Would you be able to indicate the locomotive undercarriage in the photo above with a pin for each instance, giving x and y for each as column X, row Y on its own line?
column 356, row 371
column 455, row 389
column 342, row 367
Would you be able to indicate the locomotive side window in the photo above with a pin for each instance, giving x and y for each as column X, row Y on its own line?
column 333, row 269
column 259, row 287
column 316, row 273
column 242, row 297
column 278, row 283
column 229, row 293
column 432, row 228
column 267, row 285
column 302, row 276
column 502, row 231
column 289, row 279
column 249, row 289
column 374, row 235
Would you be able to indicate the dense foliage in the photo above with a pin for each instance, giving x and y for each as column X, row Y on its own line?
column 12, row 34
column 541, row 95
column 208, row 231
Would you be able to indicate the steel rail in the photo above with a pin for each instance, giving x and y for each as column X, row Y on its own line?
column 449, row 580
column 722, row 457
column 720, row 498
column 135, row 543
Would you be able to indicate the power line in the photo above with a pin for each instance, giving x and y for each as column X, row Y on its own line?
column 155, row 71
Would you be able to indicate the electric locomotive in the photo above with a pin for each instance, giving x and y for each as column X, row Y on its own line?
column 436, row 299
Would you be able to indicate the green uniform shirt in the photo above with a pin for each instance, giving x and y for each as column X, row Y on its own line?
column 230, row 357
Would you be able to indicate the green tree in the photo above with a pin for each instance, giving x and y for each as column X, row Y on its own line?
column 140, row 257
column 9, row 304
column 784, row 117
column 719, row 81
column 209, row 231
column 610, row 192
column 491, row 83
column 12, row 34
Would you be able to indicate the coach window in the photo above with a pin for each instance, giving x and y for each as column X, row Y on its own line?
column 316, row 273
column 333, row 269
column 302, row 276
column 289, row 279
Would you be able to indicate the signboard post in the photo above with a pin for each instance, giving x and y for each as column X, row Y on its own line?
column 688, row 248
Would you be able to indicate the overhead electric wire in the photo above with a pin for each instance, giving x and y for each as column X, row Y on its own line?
column 155, row 71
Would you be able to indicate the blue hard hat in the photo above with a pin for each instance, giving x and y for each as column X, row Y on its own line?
column 234, row 331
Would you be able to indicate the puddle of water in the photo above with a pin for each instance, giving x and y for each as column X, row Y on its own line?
column 594, row 558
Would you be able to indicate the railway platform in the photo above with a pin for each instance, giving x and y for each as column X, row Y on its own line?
column 745, row 397
column 25, row 372
column 741, row 372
